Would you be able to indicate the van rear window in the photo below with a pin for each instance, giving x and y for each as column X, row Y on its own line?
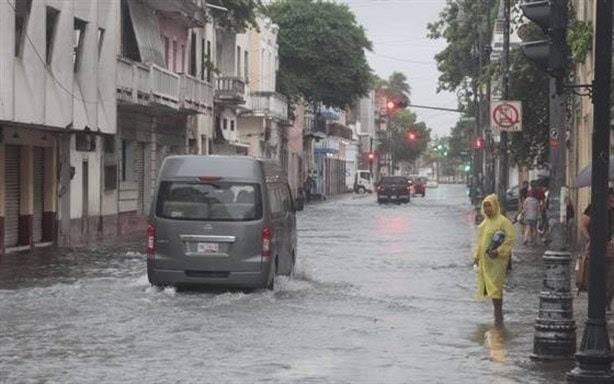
column 215, row 201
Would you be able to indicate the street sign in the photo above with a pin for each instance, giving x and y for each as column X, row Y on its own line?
column 506, row 116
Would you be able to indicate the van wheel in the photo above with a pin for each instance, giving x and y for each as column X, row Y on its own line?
column 362, row 190
column 272, row 274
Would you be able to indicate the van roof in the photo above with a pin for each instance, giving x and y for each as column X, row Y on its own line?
column 234, row 167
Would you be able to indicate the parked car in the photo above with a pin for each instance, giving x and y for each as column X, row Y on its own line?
column 220, row 221
column 512, row 199
column 393, row 188
column 419, row 185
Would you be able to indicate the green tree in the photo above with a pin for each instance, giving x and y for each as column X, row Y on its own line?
column 406, row 139
column 241, row 14
column 322, row 52
column 395, row 88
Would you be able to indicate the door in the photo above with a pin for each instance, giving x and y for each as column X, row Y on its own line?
column 85, row 213
column 11, row 165
column 38, row 186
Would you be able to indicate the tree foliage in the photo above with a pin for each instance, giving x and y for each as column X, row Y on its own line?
column 322, row 52
column 396, row 141
column 395, row 88
column 462, row 24
column 241, row 14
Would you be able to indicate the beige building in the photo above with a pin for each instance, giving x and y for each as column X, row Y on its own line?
column 580, row 135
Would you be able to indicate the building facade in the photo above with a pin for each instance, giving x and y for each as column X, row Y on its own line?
column 57, row 107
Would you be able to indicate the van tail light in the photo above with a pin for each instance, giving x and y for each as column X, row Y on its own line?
column 151, row 241
column 267, row 239
column 409, row 188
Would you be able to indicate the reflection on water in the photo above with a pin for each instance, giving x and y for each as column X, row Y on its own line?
column 494, row 339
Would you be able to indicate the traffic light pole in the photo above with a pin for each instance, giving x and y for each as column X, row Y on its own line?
column 503, row 160
column 594, row 360
column 555, row 328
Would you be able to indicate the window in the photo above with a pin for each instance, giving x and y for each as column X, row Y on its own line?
column 22, row 13
column 129, row 45
column 50, row 31
column 232, row 125
column 214, row 201
column 210, row 61
column 203, row 66
column 109, row 144
column 182, row 60
column 239, row 62
column 100, row 41
column 166, row 52
column 110, row 177
column 78, row 38
column 246, row 64
column 225, row 124
column 85, row 142
column 174, row 69
column 193, row 55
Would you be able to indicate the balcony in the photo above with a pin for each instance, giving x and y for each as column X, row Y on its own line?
column 230, row 90
column 269, row 104
column 187, row 12
column 153, row 86
column 197, row 95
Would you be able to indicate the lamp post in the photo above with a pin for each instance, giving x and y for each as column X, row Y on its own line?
column 594, row 360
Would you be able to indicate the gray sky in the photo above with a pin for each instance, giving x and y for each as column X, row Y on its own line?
column 398, row 31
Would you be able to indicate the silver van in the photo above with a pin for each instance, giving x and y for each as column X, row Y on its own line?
column 220, row 221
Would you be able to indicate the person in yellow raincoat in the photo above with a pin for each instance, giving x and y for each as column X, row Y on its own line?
column 492, row 269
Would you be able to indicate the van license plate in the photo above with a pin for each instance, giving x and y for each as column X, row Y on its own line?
column 208, row 247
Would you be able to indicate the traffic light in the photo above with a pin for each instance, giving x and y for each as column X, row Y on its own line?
column 550, row 55
column 467, row 167
column 371, row 157
column 392, row 106
column 478, row 143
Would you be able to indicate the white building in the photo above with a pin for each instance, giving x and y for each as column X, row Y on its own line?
column 57, row 106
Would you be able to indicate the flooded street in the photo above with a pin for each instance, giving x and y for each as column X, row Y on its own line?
column 382, row 294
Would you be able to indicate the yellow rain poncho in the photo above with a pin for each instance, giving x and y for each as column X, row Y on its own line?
column 492, row 272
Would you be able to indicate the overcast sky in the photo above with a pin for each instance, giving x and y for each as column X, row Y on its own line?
column 398, row 31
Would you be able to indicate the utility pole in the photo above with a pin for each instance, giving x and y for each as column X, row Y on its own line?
column 594, row 360
column 555, row 329
column 503, row 160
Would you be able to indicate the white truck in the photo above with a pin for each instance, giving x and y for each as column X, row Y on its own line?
column 363, row 181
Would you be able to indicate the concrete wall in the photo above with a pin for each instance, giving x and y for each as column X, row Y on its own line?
column 264, row 58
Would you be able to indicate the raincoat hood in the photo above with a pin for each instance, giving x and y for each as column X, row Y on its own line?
column 494, row 202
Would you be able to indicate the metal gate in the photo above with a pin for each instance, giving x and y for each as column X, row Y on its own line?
column 38, row 186
column 11, row 165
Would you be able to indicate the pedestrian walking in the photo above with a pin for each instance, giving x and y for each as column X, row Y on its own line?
column 585, row 231
column 490, row 261
column 531, row 212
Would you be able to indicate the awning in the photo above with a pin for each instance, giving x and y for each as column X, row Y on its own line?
column 147, row 32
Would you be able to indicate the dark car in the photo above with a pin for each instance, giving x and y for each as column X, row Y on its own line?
column 420, row 186
column 393, row 188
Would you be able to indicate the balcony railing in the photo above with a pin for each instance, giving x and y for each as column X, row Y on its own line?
column 150, row 85
column 230, row 89
column 197, row 95
column 270, row 104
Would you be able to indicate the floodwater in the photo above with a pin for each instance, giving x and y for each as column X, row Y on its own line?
column 382, row 294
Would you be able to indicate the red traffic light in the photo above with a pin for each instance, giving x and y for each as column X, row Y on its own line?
column 478, row 143
column 391, row 105
column 412, row 136
column 371, row 156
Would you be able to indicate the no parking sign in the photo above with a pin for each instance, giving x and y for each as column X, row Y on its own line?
column 506, row 116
